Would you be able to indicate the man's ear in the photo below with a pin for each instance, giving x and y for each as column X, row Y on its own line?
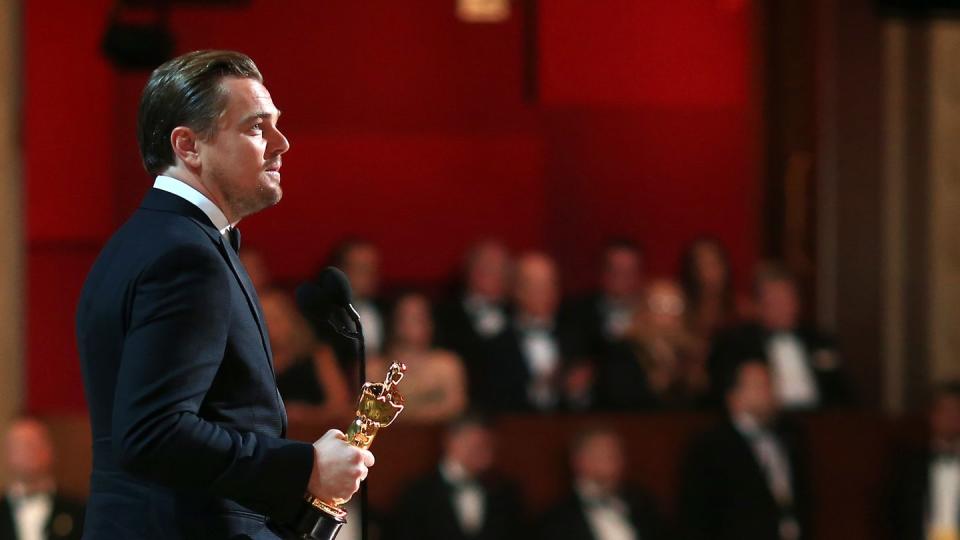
column 184, row 142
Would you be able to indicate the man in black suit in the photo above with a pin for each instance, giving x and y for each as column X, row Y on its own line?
column 533, row 365
column 804, row 363
column 926, row 487
column 461, row 500
column 32, row 508
column 606, row 316
column 188, row 426
column 745, row 480
column 469, row 323
column 601, row 507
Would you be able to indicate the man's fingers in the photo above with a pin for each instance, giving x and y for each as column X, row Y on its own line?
column 368, row 458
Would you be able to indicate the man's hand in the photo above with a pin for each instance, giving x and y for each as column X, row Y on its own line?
column 338, row 468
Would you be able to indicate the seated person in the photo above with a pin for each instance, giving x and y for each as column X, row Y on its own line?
column 308, row 378
column 31, row 508
column 926, row 488
column 461, row 499
column 466, row 324
column 661, row 364
column 532, row 365
column 804, row 364
column 435, row 386
column 606, row 316
column 745, row 479
column 706, row 277
column 601, row 507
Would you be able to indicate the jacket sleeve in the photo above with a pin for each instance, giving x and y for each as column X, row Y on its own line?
column 173, row 347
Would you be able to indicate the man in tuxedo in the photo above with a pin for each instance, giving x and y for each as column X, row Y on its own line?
column 926, row 488
column 607, row 315
column 469, row 323
column 601, row 507
column 188, row 426
column 32, row 508
column 745, row 479
column 532, row 365
column 460, row 500
column 804, row 364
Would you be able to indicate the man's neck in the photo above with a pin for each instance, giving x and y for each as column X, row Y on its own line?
column 197, row 183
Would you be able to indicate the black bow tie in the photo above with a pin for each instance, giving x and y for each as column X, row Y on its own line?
column 234, row 236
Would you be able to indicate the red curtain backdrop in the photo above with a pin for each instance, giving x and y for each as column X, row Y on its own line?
column 413, row 129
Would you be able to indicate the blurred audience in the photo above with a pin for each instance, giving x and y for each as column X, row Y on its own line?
column 745, row 480
column 31, row 508
column 360, row 260
column 468, row 323
column 257, row 270
column 601, row 506
column 461, row 499
column 707, row 281
column 308, row 378
column 531, row 366
column 661, row 364
column 435, row 385
column 606, row 316
column 803, row 360
column 926, row 490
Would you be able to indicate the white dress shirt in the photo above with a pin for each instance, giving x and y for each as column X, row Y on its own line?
column 469, row 498
column 541, row 352
column 487, row 318
column 30, row 515
column 944, row 497
column 194, row 197
column 608, row 517
column 793, row 378
column 372, row 324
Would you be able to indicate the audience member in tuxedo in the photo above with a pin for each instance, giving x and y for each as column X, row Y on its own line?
column 468, row 323
column 706, row 277
column 308, row 378
column 534, row 365
column 31, row 508
column 926, row 487
column 745, row 480
column 461, row 499
column 607, row 315
column 803, row 360
column 660, row 364
column 601, row 506
column 435, row 385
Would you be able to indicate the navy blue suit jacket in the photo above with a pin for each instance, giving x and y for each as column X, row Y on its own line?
column 188, row 426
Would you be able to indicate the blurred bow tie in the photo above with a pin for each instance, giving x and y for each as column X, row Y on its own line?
column 234, row 236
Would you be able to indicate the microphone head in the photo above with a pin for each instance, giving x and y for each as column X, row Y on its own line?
column 335, row 287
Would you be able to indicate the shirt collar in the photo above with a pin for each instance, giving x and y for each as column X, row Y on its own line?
column 194, row 197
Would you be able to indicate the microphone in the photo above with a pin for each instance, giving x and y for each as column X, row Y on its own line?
column 320, row 298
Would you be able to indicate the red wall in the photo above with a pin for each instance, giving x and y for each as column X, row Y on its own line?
column 411, row 128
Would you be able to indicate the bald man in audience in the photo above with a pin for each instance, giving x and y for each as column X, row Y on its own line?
column 533, row 364
column 602, row 506
column 31, row 508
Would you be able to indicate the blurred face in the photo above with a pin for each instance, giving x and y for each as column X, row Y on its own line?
column 473, row 448
column 362, row 266
column 779, row 305
column 29, row 451
column 945, row 419
column 488, row 273
column 664, row 305
column 600, row 461
column 621, row 273
column 753, row 394
column 537, row 288
column 711, row 268
column 413, row 324
column 256, row 268
column 289, row 333
column 240, row 161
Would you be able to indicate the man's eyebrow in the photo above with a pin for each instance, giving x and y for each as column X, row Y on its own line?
column 260, row 115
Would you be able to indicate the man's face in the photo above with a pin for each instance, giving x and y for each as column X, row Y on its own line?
column 240, row 161
column 473, row 448
column 599, row 460
column 29, row 451
column 488, row 273
column 537, row 287
column 753, row 394
column 779, row 305
column 362, row 266
column 621, row 273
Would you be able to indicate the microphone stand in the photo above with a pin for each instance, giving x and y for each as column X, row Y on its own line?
column 362, row 368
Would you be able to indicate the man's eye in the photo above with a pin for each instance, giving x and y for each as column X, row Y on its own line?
column 257, row 127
